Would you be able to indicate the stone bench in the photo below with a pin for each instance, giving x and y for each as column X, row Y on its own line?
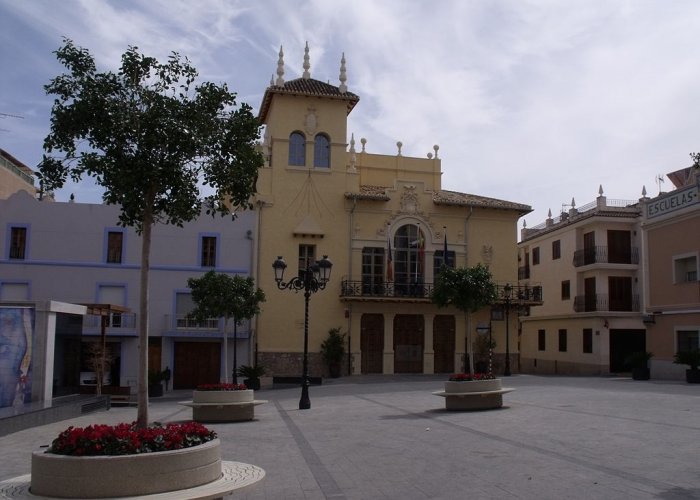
column 473, row 395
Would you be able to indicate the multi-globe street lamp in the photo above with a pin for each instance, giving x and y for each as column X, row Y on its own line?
column 311, row 280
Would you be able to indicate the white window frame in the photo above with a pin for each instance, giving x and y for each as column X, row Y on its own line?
column 681, row 276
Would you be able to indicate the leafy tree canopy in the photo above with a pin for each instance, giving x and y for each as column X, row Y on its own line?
column 150, row 137
column 467, row 289
column 217, row 294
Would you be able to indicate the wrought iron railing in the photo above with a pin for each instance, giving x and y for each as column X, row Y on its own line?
column 386, row 289
column 602, row 302
column 114, row 320
column 601, row 255
column 184, row 322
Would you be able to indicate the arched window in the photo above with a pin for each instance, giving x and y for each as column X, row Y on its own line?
column 409, row 245
column 322, row 151
column 297, row 149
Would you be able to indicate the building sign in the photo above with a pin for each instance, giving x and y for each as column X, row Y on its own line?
column 671, row 202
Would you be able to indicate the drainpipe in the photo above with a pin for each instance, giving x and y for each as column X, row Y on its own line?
column 349, row 305
column 255, row 249
column 466, row 264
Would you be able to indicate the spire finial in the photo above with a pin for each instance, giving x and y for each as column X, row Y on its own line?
column 600, row 190
column 280, row 69
column 343, row 76
column 549, row 214
column 272, row 80
column 306, row 75
column 644, row 191
column 573, row 203
column 524, row 224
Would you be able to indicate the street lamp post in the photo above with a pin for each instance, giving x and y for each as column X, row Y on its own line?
column 507, row 290
column 312, row 279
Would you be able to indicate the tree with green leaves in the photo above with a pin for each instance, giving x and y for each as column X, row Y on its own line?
column 219, row 295
column 155, row 140
column 467, row 289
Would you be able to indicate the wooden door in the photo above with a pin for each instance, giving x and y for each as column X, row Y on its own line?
column 444, row 343
column 590, row 296
column 619, row 247
column 372, row 343
column 408, row 343
column 589, row 253
column 196, row 363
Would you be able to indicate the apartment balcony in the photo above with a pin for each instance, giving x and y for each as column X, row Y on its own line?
column 117, row 324
column 184, row 322
column 385, row 291
column 420, row 292
column 602, row 255
column 601, row 302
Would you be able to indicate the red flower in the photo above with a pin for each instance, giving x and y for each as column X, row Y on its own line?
column 126, row 439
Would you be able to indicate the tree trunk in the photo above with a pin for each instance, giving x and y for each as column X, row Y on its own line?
column 470, row 349
column 142, row 418
column 226, row 379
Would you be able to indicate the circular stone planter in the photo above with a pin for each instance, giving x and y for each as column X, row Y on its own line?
column 473, row 394
column 473, row 386
column 65, row 476
column 246, row 396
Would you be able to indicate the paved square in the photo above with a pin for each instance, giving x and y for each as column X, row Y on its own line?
column 388, row 437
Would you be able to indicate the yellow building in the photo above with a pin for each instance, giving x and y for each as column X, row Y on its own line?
column 316, row 198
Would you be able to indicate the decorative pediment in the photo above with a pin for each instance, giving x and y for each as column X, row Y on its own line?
column 309, row 227
column 409, row 201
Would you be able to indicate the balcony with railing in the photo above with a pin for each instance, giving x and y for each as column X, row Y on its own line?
column 602, row 302
column 421, row 292
column 116, row 324
column 602, row 255
column 185, row 322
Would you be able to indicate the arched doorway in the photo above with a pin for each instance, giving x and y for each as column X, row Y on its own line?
column 444, row 343
column 372, row 343
column 408, row 343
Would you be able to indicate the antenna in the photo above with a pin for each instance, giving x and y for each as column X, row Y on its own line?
column 8, row 115
column 659, row 180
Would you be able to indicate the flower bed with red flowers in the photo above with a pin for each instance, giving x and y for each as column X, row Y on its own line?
column 468, row 377
column 222, row 387
column 127, row 439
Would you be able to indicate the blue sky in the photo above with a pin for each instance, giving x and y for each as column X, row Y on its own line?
column 536, row 102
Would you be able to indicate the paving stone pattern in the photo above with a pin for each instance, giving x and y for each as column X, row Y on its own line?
column 389, row 437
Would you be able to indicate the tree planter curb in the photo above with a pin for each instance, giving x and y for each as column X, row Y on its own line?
column 125, row 475
column 223, row 406
column 235, row 476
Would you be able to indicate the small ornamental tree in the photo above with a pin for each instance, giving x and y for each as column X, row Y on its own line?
column 467, row 289
column 152, row 138
column 219, row 295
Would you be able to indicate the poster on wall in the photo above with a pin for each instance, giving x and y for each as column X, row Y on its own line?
column 16, row 340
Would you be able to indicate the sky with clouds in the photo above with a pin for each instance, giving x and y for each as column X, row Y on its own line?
column 531, row 101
